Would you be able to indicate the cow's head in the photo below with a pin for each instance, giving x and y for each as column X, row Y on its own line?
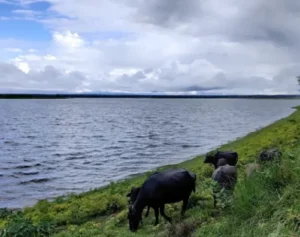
column 133, row 194
column 134, row 218
column 210, row 159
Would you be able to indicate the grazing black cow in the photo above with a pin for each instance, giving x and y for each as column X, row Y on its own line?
column 230, row 156
column 170, row 186
column 225, row 175
column 269, row 155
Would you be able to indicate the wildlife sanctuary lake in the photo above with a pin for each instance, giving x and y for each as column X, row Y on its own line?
column 50, row 148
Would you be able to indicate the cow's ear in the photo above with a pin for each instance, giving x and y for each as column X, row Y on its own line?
column 128, row 194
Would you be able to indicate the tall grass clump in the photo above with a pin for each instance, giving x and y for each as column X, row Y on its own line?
column 20, row 226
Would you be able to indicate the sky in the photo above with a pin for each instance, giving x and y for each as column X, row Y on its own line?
column 166, row 46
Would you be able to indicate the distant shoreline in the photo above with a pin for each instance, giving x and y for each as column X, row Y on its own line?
column 70, row 96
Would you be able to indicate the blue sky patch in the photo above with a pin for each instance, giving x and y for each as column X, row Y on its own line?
column 24, row 29
column 6, row 9
column 39, row 6
column 15, row 25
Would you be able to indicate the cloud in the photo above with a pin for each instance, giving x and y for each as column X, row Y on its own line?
column 49, row 78
column 192, row 46
column 183, row 80
column 68, row 39
column 13, row 50
column 167, row 13
column 265, row 20
column 32, row 50
column 24, row 12
column 49, row 57
column 23, row 66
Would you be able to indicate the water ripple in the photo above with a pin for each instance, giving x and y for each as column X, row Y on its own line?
column 27, row 166
column 40, row 180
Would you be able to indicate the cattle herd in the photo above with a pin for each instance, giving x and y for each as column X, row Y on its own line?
column 177, row 184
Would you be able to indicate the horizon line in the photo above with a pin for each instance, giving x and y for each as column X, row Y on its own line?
column 141, row 95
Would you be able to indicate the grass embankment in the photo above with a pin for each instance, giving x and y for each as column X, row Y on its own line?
column 265, row 204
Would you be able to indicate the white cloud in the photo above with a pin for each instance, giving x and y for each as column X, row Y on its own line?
column 68, row 39
column 23, row 66
column 28, row 57
column 172, row 46
column 24, row 12
column 32, row 50
column 13, row 50
column 49, row 57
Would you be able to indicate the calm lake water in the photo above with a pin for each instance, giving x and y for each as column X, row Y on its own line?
column 53, row 147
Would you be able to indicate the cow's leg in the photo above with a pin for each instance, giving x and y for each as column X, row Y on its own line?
column 141, row 220
column 162, row 212
column 184, row 205
column 156, row 215
column 215, row 200
column 147, row 213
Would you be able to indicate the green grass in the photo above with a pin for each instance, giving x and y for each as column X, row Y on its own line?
column 265, row 204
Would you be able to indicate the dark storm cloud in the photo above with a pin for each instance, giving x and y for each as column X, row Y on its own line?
column 275, row 21
column 167, row 13
column 258, row 20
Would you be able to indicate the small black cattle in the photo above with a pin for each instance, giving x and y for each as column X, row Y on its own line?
column 225, row 175
column 230, row 156
column 170, row 186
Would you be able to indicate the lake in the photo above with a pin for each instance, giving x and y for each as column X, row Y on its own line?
column 53, row 147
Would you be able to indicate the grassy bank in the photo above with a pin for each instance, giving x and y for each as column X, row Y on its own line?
column 266, row 204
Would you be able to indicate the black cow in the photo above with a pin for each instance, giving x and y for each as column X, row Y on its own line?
column 225, row 175
column 170, row 186
column 269, row 155
column 230, row 156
